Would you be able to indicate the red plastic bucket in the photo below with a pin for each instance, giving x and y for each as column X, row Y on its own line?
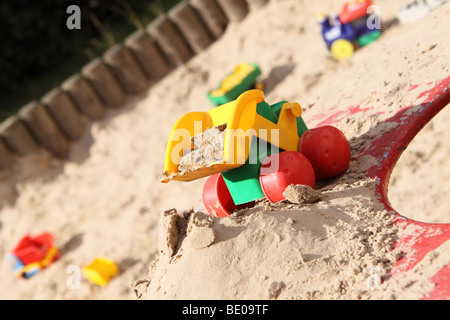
column 280, row 170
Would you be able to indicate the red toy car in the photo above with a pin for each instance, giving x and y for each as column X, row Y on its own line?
column 32, row 254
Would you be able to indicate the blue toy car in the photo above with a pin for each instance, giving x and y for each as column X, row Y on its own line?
column 348, row 30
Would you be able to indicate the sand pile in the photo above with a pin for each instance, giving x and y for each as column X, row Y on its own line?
column 107, row 200
column 283, row 251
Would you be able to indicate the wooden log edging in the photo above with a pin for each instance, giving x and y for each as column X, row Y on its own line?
column 235, row 10
column 149, row 54
column 64, row 112
column 257, row 3
column 60, row 117
column 45, row 129
column 191, row 25
column 7, row 159
column 213, row 16
column 84, row 96
column 126, row 68
column 17, row 137
column 105, row 84
column 171, row 40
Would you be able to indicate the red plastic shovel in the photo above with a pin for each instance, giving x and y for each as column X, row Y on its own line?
column 386, row 149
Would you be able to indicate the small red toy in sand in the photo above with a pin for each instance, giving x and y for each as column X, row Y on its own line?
column 32, row 254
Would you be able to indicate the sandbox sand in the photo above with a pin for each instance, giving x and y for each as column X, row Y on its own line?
column 107, row 200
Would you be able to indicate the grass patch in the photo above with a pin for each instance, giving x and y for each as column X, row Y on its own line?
column 126, row 20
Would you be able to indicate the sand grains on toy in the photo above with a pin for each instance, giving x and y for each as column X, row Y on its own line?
column 208, row 150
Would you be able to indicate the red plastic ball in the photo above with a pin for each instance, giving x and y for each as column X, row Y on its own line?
column 280, row 170
column 327, row 149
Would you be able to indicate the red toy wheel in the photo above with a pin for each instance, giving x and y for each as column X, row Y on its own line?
column 216, row 197
column 280, row 170
column 327, row 149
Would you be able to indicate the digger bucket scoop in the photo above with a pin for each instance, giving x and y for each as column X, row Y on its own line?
column 242, row 124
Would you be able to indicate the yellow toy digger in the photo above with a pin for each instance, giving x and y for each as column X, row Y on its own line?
column 252, row 153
